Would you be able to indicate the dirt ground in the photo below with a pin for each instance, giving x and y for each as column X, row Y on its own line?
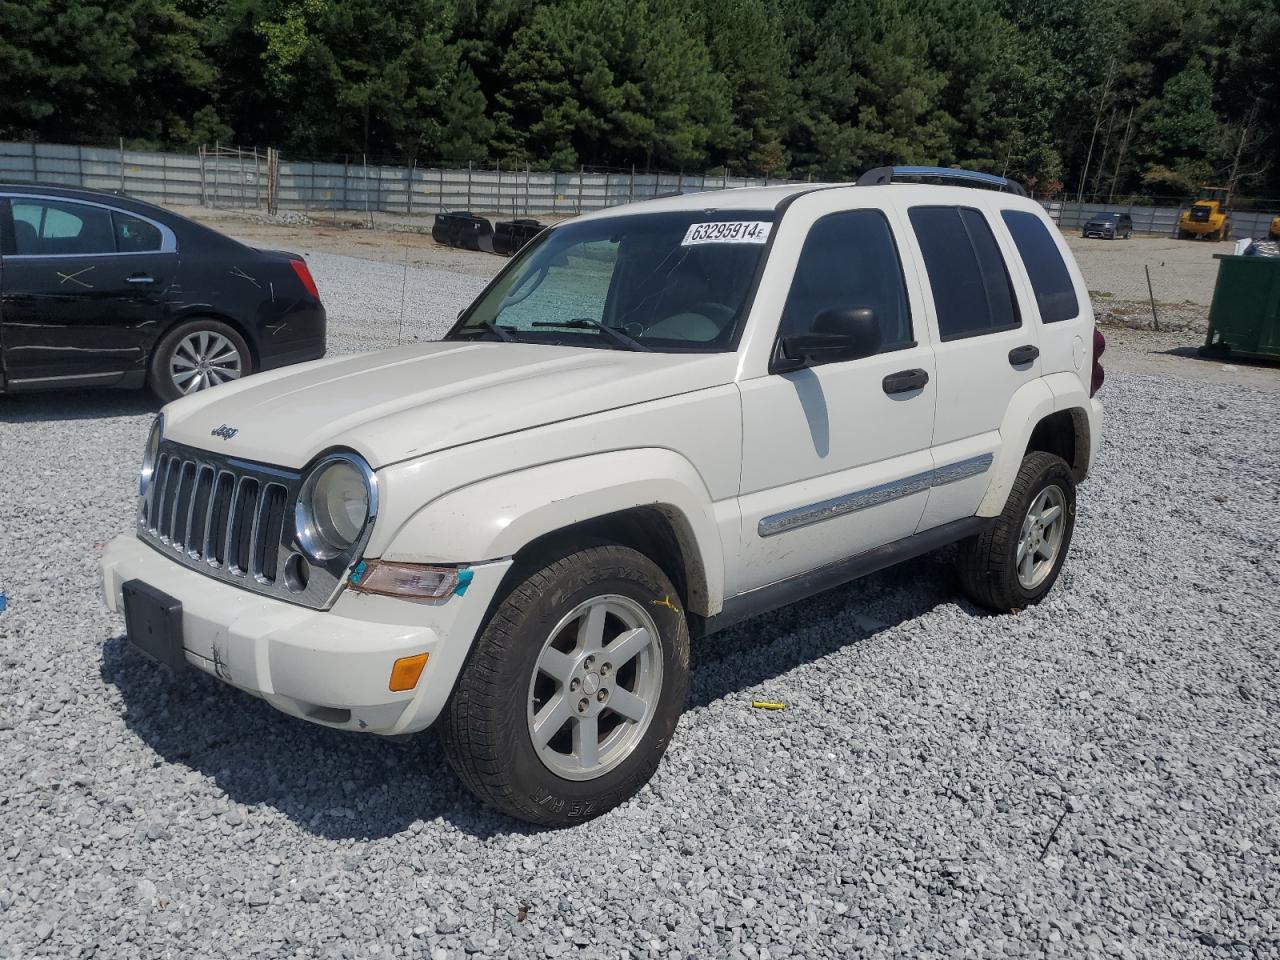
column 1109, row 268
column 1182, row 271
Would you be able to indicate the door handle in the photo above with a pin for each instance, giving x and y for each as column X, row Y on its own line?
column 1025, row 354
column 905, row 381
column 140, row 278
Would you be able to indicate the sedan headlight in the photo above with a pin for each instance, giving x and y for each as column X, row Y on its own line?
column 149, row 456
column 337, row 500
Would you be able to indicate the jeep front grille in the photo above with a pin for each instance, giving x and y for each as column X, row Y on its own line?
column 232, row 520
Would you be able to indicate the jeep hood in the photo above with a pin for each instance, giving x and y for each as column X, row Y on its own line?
column 409, row 401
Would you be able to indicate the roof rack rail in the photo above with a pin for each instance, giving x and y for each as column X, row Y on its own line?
column 951, row 175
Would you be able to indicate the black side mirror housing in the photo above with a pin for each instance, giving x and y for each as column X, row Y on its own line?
column 837, row 335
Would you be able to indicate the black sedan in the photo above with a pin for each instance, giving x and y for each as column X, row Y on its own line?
column 98, row 290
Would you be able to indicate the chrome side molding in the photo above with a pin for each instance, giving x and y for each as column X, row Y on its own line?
column 873, row 496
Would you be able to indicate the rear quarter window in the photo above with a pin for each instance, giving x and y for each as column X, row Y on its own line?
column 1050, row 279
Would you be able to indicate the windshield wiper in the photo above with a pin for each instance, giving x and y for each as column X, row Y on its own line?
column 499, row 332
column 582, row 323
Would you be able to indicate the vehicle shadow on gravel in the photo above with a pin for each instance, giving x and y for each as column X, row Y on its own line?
column 764, row 648
column 333, row 784
column 339, row 785
column 77, row 405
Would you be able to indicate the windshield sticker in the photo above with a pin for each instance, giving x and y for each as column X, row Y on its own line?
column 736, row 231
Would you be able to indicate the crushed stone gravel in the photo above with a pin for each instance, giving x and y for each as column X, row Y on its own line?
column 1098, row 776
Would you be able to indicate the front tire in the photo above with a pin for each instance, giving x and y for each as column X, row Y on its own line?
column 573, row 690
column 195, row 356
column 1015, row 562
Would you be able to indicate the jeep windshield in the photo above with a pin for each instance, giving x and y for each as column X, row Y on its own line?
column 678, row 281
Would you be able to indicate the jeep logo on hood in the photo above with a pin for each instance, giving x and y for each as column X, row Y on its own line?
column 225, row 432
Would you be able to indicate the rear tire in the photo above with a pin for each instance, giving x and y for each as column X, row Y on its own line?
column 1015, row 562
column 195, row 356
column 536, row 726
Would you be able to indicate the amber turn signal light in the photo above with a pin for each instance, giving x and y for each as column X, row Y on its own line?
column 406, row 671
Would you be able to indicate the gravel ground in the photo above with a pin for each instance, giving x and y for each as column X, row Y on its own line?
column 1095, row 776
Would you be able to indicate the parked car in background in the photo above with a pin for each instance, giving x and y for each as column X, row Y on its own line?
column 1109, row 226
column 99, row 290
column 657, row 421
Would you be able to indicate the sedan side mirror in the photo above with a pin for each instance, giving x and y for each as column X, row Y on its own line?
column 837, row 335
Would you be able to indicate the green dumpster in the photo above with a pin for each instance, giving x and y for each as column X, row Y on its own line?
column 1244, row 318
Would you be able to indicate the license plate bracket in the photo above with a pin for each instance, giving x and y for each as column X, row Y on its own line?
column 153, row 620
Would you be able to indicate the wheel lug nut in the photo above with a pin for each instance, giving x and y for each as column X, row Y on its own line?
column 589, row 662
column 575, row 683
column 602, row 696
column 605, row 669
column 583, row 704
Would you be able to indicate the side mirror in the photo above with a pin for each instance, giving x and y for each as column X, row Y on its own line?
column 837, row 335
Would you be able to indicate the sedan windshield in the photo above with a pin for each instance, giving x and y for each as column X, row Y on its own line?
column 656, row 281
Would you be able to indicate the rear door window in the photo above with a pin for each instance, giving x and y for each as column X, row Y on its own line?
column 972, row 292
column 1050, row 279
column 60, row 228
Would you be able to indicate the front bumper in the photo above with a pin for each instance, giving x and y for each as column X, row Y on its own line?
column 330, row 667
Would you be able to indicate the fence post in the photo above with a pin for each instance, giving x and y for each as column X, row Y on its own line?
column 204, row 197
column 122, row 164
column 408, row 202
column 498, row 203
column 468, row 184
column 631, row 193
column 364, row 161
column 1155, row 318
column 582, row 172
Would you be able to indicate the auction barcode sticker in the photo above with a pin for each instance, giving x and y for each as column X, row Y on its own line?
column 733, row 231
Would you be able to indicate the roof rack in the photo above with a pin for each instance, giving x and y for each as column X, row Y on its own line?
column 951, row 175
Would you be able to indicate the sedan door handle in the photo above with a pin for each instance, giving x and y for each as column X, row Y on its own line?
column 905, row 381
column 140, row 278
column 1025, row 354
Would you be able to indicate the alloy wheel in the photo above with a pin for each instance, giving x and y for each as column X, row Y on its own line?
column 595, row 687
column 1041, row 537
column 204, row 359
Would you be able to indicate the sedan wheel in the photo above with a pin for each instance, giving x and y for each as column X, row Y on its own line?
column 196, row 356
column 204, row 359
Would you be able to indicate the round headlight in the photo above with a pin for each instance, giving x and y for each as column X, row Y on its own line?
column 335, row 504
column 149, row 457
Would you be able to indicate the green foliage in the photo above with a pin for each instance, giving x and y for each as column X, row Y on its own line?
column 1154, row 95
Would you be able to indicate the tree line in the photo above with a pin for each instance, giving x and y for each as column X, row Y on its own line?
column 1079, row 96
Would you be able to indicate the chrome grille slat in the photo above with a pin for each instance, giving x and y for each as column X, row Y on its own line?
column 198, row 518
column 183, row 489
column 220, row 514
column 231, row 520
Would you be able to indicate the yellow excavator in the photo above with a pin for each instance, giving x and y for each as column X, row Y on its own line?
column 1208, row 218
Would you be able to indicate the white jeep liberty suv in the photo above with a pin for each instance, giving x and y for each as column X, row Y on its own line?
column 657, row 420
